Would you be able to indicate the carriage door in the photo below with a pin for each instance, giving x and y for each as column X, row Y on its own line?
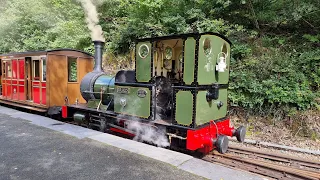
column 2, row 77
column 28, row 74
column 37, row 80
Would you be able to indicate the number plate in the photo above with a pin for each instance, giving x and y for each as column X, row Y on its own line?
column 123, row 90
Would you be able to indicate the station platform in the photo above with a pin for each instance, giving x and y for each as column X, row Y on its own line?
column 36, row 147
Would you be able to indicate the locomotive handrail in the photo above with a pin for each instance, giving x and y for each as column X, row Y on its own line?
column 134, row 84
column 95, row 92
column 202, row 87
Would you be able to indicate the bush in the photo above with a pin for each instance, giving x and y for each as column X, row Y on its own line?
column 277, row 79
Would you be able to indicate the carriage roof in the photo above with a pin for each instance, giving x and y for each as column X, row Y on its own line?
column 43, row 52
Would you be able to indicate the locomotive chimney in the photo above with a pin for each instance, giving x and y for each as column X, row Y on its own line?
column 98, row 47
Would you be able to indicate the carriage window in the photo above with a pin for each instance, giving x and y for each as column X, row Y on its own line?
column 9, row 71
column 36, row 70
column 4, row 68
column 72, row 69
column 44, row 69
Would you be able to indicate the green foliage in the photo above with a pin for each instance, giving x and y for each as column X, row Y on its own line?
column 277, row 79
column 275, row 52
column 311, row 38
column 42, row 24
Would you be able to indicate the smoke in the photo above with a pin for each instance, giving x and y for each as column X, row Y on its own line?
column 148, row 133
column 92, row 20
column 144, row 132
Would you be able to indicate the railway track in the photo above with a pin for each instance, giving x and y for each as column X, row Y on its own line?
column 272, row 165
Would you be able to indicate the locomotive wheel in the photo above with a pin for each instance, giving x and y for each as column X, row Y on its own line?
column 222, row 144
column 240, row 133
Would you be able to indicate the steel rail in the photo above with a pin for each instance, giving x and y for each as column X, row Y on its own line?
column 275, row 157
column 251, row 162
column 257, row 169
column 278, row 146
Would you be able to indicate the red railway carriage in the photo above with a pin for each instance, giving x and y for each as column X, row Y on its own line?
column 43, row 80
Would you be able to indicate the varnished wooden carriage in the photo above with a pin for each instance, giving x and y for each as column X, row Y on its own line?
column 43, row 80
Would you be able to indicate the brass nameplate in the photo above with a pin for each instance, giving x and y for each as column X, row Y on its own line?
column 123, row 90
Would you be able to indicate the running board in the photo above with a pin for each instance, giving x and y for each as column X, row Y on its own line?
column 25, row 106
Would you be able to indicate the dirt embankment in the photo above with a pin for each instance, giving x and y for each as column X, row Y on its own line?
column 301, row 130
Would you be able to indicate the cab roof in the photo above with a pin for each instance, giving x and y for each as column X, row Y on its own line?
column 179, row 36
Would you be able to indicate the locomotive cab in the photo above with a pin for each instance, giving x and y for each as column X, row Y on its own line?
column 182, row 81
column 191, row 71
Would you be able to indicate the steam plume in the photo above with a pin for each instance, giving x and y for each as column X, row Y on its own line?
column 144, row 132
column 92, row 20
column 149, row 134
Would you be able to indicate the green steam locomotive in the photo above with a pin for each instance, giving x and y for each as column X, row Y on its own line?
column 175, row 97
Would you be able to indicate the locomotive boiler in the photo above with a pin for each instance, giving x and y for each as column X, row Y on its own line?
column 175, row 97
